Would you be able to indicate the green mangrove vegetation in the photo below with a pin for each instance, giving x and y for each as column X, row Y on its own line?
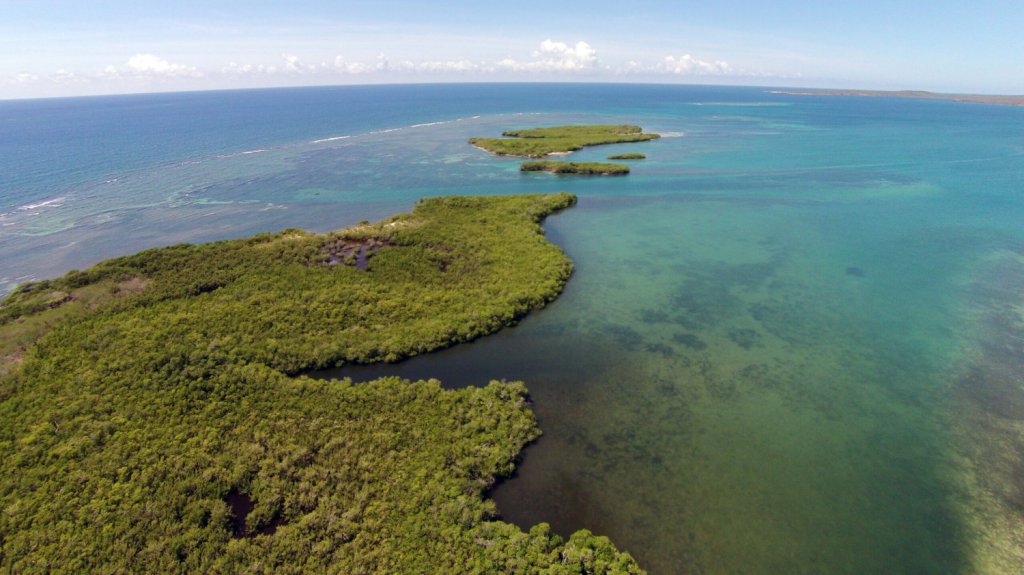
column 540, row 142
column 148, row 421
column 628, row 156
column 577, row 168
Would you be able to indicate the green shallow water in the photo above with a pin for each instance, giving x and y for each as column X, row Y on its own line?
column 756, row 368
column 719, row 395
column 793, row 342
column 777, row 434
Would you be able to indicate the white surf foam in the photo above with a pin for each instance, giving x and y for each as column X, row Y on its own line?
column 51, row 203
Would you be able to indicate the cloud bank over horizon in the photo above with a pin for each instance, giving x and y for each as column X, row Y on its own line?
column 550, row 60
column 70, row 48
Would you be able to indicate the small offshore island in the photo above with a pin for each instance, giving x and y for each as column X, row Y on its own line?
column 151, row 420
column 561, row 140
column 628, row 156
column 540, row 142
column 575, row 168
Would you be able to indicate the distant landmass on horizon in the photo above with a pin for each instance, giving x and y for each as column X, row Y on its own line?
column 919, row 94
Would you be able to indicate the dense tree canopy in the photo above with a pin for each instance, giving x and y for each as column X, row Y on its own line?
column 539, row 142
column 148, row 422
column 575, row 168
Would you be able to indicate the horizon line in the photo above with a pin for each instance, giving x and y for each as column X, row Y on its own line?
column 907, row 93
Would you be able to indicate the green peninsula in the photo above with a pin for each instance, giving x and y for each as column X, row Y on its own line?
column 151, row 421
column 575, row 168
column 540, row 142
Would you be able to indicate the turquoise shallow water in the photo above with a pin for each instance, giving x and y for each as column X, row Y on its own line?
column 792, row 342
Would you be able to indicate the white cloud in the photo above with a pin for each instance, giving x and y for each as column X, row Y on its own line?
column 563, row 56
column 556, row 57
column 150, row 66
column 341, row 66
column 550, row 58
column 236, row 69
column 24, row 78
column 345, row 67
column 448, row 66
column 687, row 65
column 293, row 65
column 65, row 78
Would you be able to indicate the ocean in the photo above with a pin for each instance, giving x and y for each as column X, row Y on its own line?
column 793, row 343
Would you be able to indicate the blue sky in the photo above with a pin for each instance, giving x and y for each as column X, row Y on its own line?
column 67, row 48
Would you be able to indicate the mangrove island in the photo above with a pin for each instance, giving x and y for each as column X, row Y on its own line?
column 152, row 419
column 575, row 168
column 540, row 142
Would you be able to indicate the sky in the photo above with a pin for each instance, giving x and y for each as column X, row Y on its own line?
column 73, row 47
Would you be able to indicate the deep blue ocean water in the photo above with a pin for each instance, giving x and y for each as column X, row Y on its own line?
column 794, row 341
